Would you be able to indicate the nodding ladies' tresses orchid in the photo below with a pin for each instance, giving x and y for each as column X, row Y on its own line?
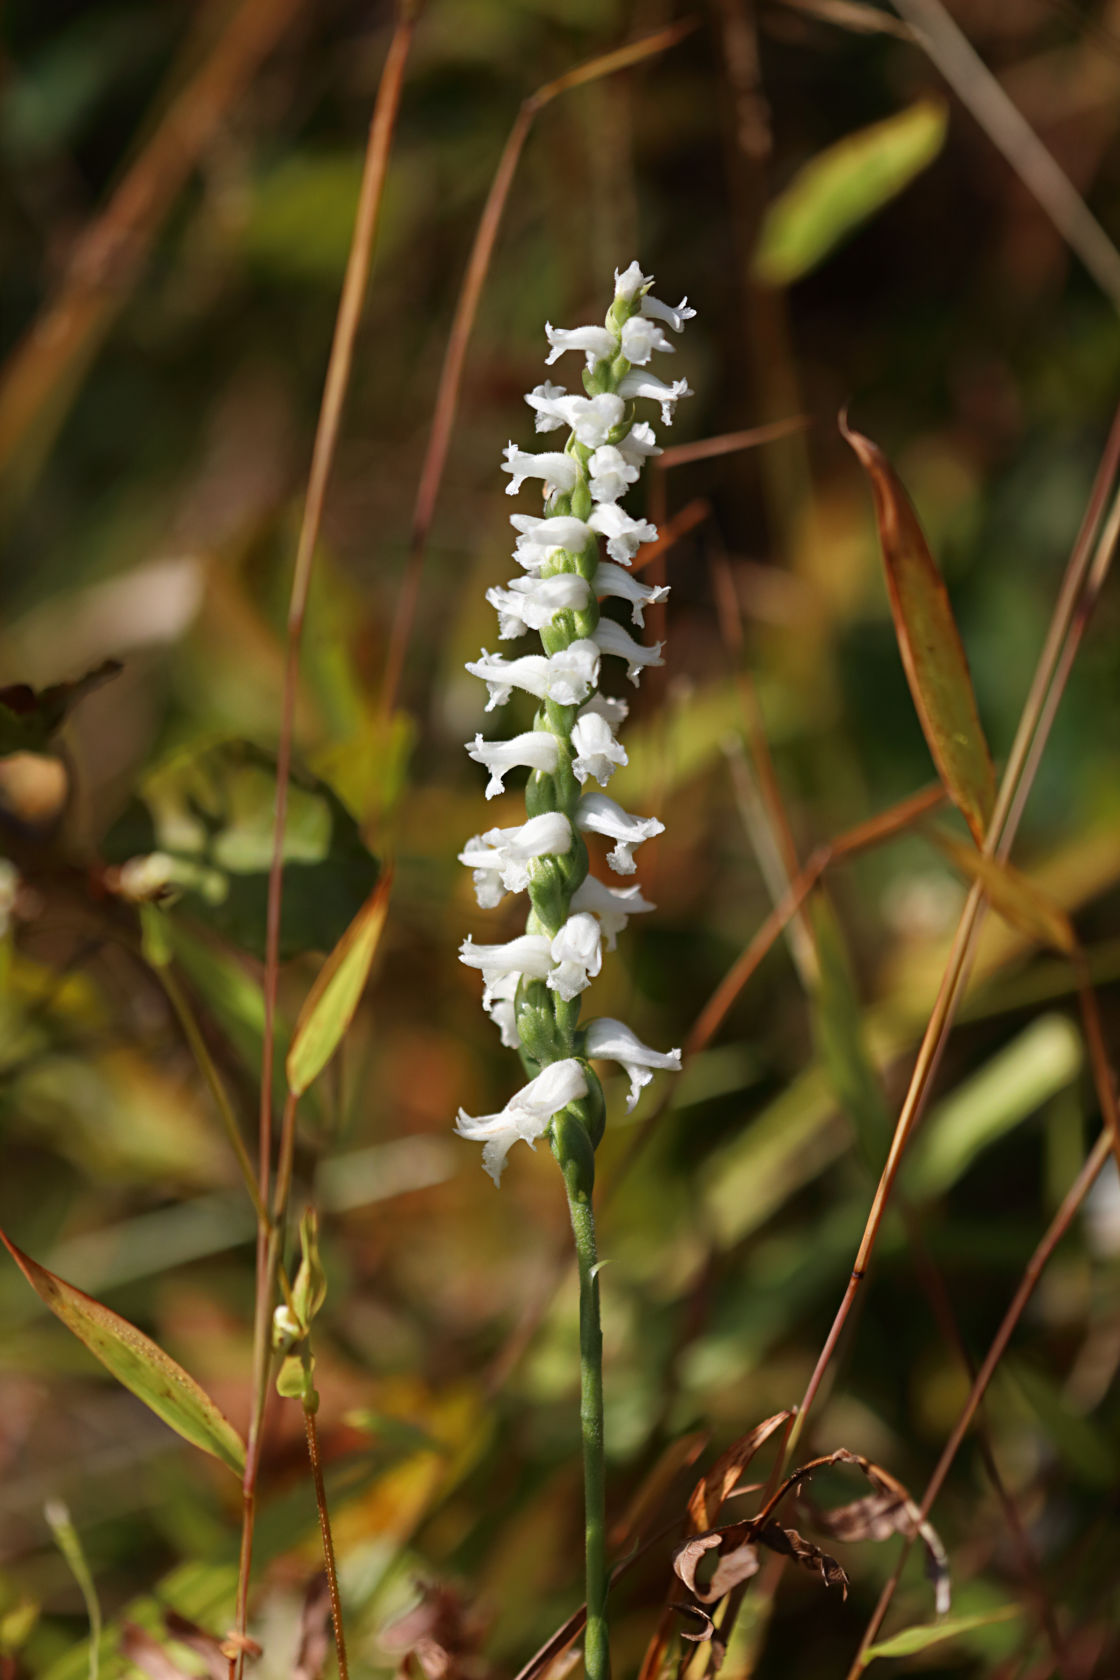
column 533, row 984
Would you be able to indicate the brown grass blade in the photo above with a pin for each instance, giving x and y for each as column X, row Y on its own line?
column 45, row 370
column 930, row 644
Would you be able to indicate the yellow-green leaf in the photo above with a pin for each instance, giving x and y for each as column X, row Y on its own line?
column 930, row 644
column 841, row 187
column 914, row 1639
column 1012, row 894
column 332, row 1001
column 136, row 1362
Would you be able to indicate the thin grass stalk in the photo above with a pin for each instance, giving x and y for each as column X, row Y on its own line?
column 1085, row 574
column 45, row 369
column 449, row 388
column 1033, row 1271
column 339, row 365
column 944, row 42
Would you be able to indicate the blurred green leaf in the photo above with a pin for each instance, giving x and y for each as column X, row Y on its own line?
column 330, row 1005
column 832, row 194
column 839, row 1036
column 137, row 1362
column 912, row 1640
column 211, row 811
column 1045, row 1058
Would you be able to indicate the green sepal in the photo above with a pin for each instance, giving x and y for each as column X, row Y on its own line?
column 541, row 794
column 549, row 893
column 561, row 633
column 542, row 1038
column 574, row 1151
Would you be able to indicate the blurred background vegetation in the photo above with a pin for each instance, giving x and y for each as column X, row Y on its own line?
column 158, row 402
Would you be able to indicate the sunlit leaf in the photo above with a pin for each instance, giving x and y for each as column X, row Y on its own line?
column 332, row 1001
column 841, row 187
column 137, row 1362
column 1017, row 899
column 936, row 667
column 911, row 1640
column 211, row 812
column 839, row 1036
column 1041, row 1061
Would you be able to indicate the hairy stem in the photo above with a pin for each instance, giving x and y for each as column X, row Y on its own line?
column 597, row 1658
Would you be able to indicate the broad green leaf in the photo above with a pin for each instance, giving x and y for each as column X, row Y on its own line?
column 1017, row 899
column 332, row 1001
column 911, row 1640
column 1045, row 1058
column 839, row 1036
column 838, row 189
column 136, row 1362
column 211, row 811
column 930, row 645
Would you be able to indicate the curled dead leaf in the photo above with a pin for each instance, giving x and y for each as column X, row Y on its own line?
column 713, row 1489
column 707, row 1628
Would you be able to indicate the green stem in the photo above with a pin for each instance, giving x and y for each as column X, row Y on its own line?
column 597, row 1659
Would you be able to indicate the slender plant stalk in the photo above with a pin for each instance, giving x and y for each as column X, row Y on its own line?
column 337, row 380
column 597, row 1649
column 312, row 1430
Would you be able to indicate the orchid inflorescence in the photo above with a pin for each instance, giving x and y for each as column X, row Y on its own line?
column 532, row 984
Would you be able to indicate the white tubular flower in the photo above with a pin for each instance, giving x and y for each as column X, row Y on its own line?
column 659, row 311
column 595, row 342
column 624, row 535
column 537, row 749
column 593, row 419
column 629, row 281
column 611, row 473
column 613, row 1041
column 601, row 815
column 499, row 1004
column 577, row 952
column 543, row 399
column 597, row 753
column 648, row 385
column 527, row 1116
column 639, row 444
column 606, row 706
column 612, row 906
column 560, row 472
column 526, row 955
column 612, row 580
column 566, row 677
column 500, row 858
column 540, row 538
column 640, row 338
column 612, row 638
column 530, row 603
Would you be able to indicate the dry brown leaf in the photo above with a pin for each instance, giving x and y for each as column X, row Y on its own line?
column 707, row 1629
column 789, row 1543
column 930, row 644
column 711, row 1491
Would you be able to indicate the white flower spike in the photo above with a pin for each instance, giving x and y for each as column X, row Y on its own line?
column 532, row 985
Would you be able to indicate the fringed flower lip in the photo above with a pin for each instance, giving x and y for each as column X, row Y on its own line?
column 532, row 984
